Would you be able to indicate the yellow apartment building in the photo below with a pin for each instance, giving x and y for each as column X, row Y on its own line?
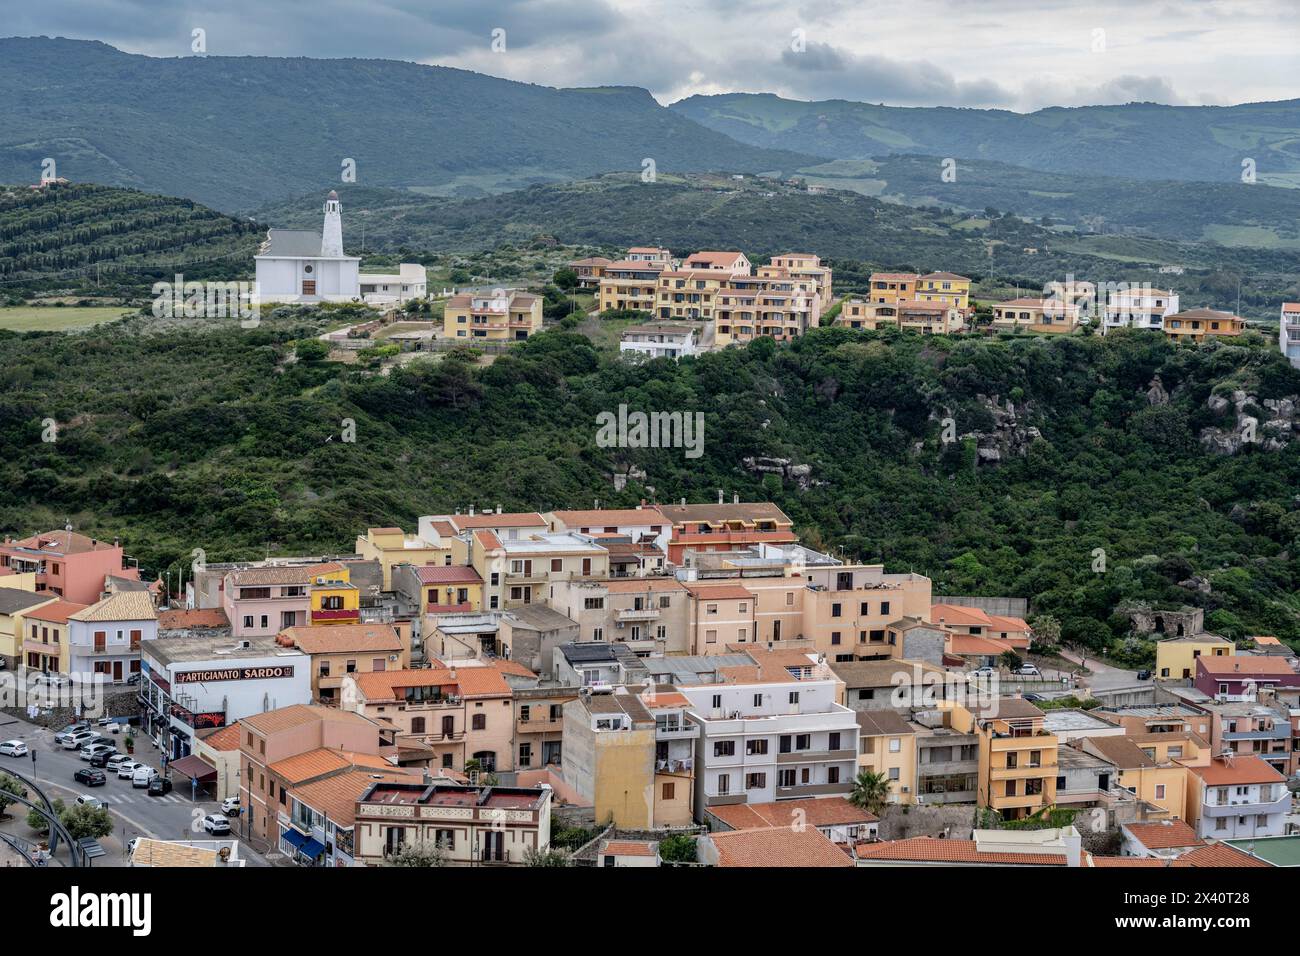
column 1149, row 772
column 629, row 285
column 346, row 650
column 333, row 599
column 890, row 288
column 1196, row 325
column 13, row 603
column 609, row 757
column 751, row 306
column 1017, row 757
column 720, row 614
column 390, row 546
column 928, row 318
column 806, row 269
column 945, row 288
column 887, row 745
column 688, row 293
column 1176, row 656
column 848, row 610
column 499, row 316
column 45, row 635
column 1036, row 315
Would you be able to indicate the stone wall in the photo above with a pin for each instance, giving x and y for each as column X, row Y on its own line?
column 899, row 822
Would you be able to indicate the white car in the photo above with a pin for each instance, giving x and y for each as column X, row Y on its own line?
column 89, row 751
column 215, row 824
column 13, row 748
column 115, row 762
column 143, row 774
column 1029, row 670
column 230, row 806
column 127, row 768
column 80, row 739
column 86, row 800
column 981, row 672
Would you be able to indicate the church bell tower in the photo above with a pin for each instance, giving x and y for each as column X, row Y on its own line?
column 331, row 242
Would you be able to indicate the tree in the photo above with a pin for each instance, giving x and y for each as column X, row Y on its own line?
column 1046, row 631
column 421, row 855
column 678, row 848
column 311, row 350
column 8, row 785
column 870, row 791
column 83, row 820
column 566, row 279
column 547, row 857
column 39, row 822
column 1010, row 660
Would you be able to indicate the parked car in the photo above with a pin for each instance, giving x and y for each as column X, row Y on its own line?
column 86, row 800
column 159, row 786
column 69, row 730
column 13, row 748
column 216, row 824
column 98, row 747
column 102, row 758
column 90, row 777
column 1144, row 674
column 131, row 844
column 115, row 761
column 127, row 768
column 983, row 672
column 80, row 739
column 1033, row 697
column 1029, row 670
column 143, row 774
column 230, row 806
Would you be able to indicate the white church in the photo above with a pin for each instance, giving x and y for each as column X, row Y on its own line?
column 296, row 265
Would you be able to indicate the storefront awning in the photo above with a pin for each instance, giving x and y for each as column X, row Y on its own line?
column 312, row 849
column 194, row 766
column 294, row 838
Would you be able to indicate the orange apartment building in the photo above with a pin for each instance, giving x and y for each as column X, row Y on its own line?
column 725, row 527
column 1196, row 325
column 498, row 316
column 628, row 285
column 342, row 649
column 1017, row 756
column 1036, row 315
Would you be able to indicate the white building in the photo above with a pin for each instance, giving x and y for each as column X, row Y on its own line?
column 104, row 639
column 1289, row 332
column 191, row 684
column 295, row 265
column 1239, row 797
column 1139, row 308
column 769, row 741
column 658, row 340
column 410, row 282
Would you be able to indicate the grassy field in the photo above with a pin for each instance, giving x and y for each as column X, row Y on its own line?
column 27, row 318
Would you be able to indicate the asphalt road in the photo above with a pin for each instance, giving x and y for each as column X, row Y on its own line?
column 173, row 816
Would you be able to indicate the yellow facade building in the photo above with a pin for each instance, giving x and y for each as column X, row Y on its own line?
column 1196, row 325
column 392, row 546
column 1176, row 656
column 945, row 288
column 1017, row 756
column 887, row 745
column 499, row 316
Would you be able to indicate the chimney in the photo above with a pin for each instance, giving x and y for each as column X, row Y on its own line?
column 735, row 498
column 498, row 509
column 683, row 502
column 720, row 496
column 641, row 505
column 471, row 511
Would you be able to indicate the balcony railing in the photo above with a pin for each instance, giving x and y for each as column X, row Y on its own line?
column 642, row 614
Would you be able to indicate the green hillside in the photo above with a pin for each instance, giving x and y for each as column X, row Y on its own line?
column 235, row 132
column 1134, row 141
column 218, row 438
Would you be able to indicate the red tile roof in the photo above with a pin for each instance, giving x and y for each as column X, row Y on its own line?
column 202, row 617
column 1220, row 854
column 778, row 847
column 823, row 812
column 1240, row 770
column 932, row 850
column 1164, row 835
column 447, row 574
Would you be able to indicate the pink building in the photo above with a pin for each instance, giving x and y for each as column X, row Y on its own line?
column 68, row 564
column 262, row 602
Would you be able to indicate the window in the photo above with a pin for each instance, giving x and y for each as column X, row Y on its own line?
column 710, row 637
column 884, row 607
column 717, row 701
column 669, row 791
column 755, row 781
column 866, row 693
column 248, row 621
column 1160, row 791
column 756, row 747
column 794, row 697
column 724, row 748
column 711, row 609
column 895, row 745
column 665, row 600
column 835, row 637
column 758, row 700
column 479, row 722
column 597, row 633
column 834, row 741
column 785, row 778
column 802, row 741
column 557, row 564
column 593, row 604
column 445, row 838
column 525, row 754
column 724, row 784
column 835, row 609
column 832, row 774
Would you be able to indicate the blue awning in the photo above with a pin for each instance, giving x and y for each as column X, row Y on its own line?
column 312, row 849
column 294, row 838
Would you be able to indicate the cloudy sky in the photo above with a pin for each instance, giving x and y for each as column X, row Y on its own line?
column 1015, row 54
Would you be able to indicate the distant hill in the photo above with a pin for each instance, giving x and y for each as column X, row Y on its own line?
column 84, row 237
column 236, row 132
column 1233, row 213
column 1135, row 141
column 763, row 218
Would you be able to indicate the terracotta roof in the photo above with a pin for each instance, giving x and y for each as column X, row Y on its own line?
column 1244, row 664
column 62, row 542
column 627, row 848
column 743, row 511
column 286, row 574
column 511, row 667
column 1242, row 769
column 816, row 812
column 719, row 592
column 932, row 850
column 945, row 275
column 310, row 764
column 975, row 644
column 149, row 852
column 883, row 673
column 1164, row 835
column 1220, row 854
column 124, row 606
column 471, row 681
column 447, row 574
column 295, row 715
column 1266, row 639
column 487, row 539
column 204, row 617
column 513, row 519
column 56, row 613
column 610, row 517
column 778, row 847
column 227, row 738
column 342, row 638
column 336, row 796
column 1130, row 861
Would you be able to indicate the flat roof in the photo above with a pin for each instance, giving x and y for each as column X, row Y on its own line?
column 173, row 650
column 1278, row 850
column 1069, row 719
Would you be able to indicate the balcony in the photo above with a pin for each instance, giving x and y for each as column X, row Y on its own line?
column 813, row 790
column 632, row 614
column 449, row 608
column 816, row 756
column 104, row 650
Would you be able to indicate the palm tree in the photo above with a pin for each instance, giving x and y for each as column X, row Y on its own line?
column 870, row 791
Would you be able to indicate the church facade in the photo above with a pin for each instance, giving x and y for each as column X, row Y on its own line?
column 295, row 265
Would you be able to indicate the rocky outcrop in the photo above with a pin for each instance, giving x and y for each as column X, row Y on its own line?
column 1156, row 394
column 800, row 475
column 1274, row 433
column 1010, row 436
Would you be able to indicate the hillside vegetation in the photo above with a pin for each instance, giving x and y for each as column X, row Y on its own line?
column 236, row 132
column 1134, row 141
column 220, row 439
